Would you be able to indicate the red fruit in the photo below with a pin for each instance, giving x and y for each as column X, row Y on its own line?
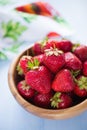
column 72, row 62
column 53, row 34
column 81, row 87
column 63, row 81
column 81, row 53
column 64, row 45
column 43, row 100
column 25, row 90
column 54, row 59
column 39, row 78
column 85, row 68
column 37, row 48
column 50, row 44
column 39, row 58
column 61, row 101
column 71, row 94
column 22, row 66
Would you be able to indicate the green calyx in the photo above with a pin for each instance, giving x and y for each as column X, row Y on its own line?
column 75, row 46
column 19, row 69
column 33, row 64
column 44, row 41
column 82, row 82
column 75, row 73
column 55, row 100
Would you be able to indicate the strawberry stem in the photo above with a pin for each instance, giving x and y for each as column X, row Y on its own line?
column 19, row 69
column 53, row 51
column 44, row 41
column 75, row 46
column 82, row 82
column 55, row 100
column 33, row 64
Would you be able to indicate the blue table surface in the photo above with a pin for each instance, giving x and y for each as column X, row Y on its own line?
column 12, row 115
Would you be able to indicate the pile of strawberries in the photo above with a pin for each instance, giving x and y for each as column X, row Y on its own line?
column 55, row 75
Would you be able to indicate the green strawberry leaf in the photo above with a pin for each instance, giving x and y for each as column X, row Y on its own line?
column 36, row 62
column 4, row 2
column 44, row 41
column 19, row 69
column 13, row 29
column 2, row 56
column 14, row 48
column 61, row 21
column 75, row 73
column 55, row 100
column 82, row 82
column 28, row 17
column 33, row 64
column 75, row 46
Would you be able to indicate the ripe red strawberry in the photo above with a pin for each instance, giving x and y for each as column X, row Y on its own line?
column 64, row 45
column 25, row 90
column 72, row 62
column 40, row 58
column 63, row 81
column 81, row 87
column 22, row 66
column 39, row 78
column 61, row 101
column 53, row 34
column 50, row 44
column 38, row 47
column 54, row 59
column 43, row 100
column 81, row 53
column 85, row 68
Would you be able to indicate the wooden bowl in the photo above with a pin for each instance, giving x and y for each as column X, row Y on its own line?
column 46, row 113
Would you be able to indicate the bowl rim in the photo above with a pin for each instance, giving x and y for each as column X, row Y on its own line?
column 42, row 112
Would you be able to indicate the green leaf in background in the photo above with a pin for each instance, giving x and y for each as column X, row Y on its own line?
column 2, row 56
column 61, row 21
column 4, row 2
column 14, row 48
column 13, row 29
column 27, row 17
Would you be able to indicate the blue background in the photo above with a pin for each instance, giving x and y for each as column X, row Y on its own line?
column 12, row 115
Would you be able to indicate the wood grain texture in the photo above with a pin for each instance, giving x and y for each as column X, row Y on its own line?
column 46, row 113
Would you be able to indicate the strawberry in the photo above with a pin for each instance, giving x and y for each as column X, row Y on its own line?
column 81, row 86
column 54, row 59
column 40, row 58
column 63, row 81
column 81, row 53
column 85, row 68
column 38, row 46
column 43, row 100
column 53, row 34
column 61, row 101
column 64, row 45
column 39, row 78
column 22, row 66
column 50, row 44
column 72, row 62
column 25, row 90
